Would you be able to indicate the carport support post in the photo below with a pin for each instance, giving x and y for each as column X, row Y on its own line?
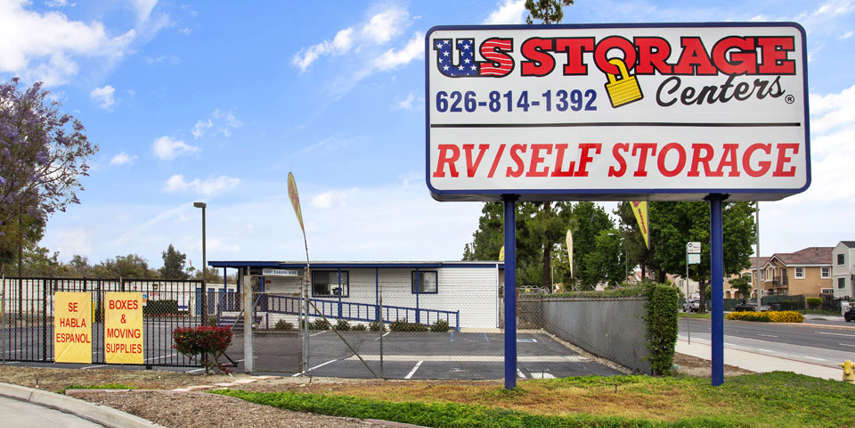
column 717, row 291
column 510, row 291
column 248, row 315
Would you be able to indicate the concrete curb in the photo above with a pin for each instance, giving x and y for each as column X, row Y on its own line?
column 103, row 415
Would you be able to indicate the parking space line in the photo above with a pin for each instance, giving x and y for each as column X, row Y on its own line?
column 837, row 334
column 846, row 344
column 413, row 371
column 520, row 374
column 315, row 334
column 315, row 367
column 93, row 367
column 541, row 375
column 451, row 338
column 486, row 339
column 384, row 335
column 475, row 358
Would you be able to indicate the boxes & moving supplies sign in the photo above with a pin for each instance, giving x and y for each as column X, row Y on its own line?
column 617, row 112
column 72, row 327
column 123, row 328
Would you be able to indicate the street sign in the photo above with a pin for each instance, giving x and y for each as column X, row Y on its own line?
column 279, row 272
column 617, row 112
column 693, row 258
column 693, row 247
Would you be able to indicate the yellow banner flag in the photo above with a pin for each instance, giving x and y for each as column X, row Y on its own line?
column 72, row 327
column 295, row 200
column 639, row 208
column 569, row 240
column 123, row 328
column 502, row 254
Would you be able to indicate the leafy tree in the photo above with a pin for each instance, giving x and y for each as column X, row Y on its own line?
column 673, row 224
column 130, row 266
column 591, row 221
column 212, row 275
column 742, row 285
column 173, row 264
column 26, row 231
column 547, row 11
column 79, row 266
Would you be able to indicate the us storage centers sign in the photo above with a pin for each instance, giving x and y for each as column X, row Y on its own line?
column 617, row 112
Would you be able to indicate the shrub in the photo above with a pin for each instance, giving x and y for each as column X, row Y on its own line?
column 205, row 342
column 342, row 325
column 359, row 327
column 320, row 324
column 283, row 325
column 212, row 321
column 161, row 307
column 440, row 326
column 771, row 316
column 403, row 325
column 661, row 320
column 376, row 326
column 813, row 302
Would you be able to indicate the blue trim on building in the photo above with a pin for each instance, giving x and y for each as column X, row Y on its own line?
column 351, row 265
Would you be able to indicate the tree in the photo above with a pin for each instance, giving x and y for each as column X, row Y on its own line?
column 547, row 11
column 591, row 222
column 130, row 266
column 742, row 286
column 673, row 224
column 79, row 266
column 173, row 264
column 42, row 154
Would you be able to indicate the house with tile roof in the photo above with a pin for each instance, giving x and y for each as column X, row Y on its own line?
column 805, row 272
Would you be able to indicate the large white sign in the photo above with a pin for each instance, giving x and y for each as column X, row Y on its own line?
column 617, row 112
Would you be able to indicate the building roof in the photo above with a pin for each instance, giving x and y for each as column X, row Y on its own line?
column 753, row 261
column 355, row 264
column 850, row 244
column 807, row 256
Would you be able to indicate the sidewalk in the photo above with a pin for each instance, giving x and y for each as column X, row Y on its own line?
column 755, row 362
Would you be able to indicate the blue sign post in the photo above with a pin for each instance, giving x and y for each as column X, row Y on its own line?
column 510, row 202
column 717, row 290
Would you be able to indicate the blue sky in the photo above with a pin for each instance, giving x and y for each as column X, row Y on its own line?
column 217, row 101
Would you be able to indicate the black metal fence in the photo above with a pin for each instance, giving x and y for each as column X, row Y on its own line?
column 27, row 306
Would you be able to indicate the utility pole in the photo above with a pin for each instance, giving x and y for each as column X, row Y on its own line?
column 757, row 252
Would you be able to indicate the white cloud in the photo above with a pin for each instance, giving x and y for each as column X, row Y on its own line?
column 509, row 12
column 222, row 122
column 104, row 96
column 59, row 3
column 143, row 8
column 166, row 148
column 185, row 31
column 123, row 159
column 385, row 25
column 45, row 46
column 833, row 110
column 393, row 58
column 406, row 103
column 847, row 35
column 207, row 187
column 73, row 241
column 379, row 29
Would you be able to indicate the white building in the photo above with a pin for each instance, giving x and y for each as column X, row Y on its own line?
column 843, row 269
column 465, row 294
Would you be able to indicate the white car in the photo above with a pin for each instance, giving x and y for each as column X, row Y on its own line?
column 691, row 305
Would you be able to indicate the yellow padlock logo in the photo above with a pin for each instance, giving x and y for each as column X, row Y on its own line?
column 625, row 90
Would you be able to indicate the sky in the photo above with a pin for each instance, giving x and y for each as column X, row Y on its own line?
column 218, row 101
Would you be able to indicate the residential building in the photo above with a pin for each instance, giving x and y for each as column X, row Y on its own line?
column 805, row 272
column 843, row 260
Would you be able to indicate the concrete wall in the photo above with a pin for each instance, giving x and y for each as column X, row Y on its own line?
column 611, row 328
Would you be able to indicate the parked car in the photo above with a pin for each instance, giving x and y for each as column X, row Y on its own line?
column 850, row 314
column 749, row 307
column 691, row 305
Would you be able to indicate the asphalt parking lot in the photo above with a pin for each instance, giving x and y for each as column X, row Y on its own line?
column 422, row 355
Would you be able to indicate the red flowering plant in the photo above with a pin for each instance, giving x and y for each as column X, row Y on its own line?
column 205, row 342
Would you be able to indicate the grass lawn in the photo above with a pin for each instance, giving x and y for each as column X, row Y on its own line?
column 768, row 400
column 694, row 315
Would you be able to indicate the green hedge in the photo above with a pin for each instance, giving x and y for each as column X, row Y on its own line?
column 661, row 319
column 632, row 291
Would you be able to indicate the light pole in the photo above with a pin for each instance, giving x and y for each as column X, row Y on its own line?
column 204, row 261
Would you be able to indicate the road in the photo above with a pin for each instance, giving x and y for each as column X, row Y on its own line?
column 827, row 346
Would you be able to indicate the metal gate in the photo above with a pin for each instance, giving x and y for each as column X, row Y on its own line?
column 27, row 306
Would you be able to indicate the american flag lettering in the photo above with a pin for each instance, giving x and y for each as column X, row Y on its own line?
column 494, row 50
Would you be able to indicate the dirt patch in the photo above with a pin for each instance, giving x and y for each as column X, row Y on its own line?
column 693, row 366
column 56, row 379
column 199, row 409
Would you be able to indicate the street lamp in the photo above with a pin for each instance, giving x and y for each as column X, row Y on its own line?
column 203, row 205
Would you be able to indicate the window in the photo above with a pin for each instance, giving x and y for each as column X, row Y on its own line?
column 825, row 272
column 424, row 282
column 826, row 291
column 841, row 282
column 325, row 283
column 800, row 273
column 840, row 259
